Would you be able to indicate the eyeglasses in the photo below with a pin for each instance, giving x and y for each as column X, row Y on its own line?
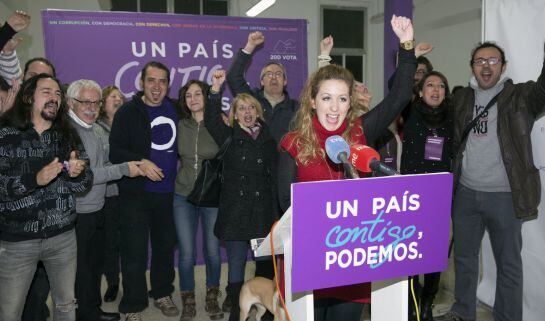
column 271, row 74
column 88, row 103
column 483, row 61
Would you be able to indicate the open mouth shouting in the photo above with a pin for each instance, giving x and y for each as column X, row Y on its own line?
column 49, row 112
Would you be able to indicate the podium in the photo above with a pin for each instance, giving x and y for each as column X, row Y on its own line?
column 336, row 233
column 300, row 305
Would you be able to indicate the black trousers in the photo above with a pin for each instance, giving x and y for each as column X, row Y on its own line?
column 430, row 287
column 90, row 259
column 146, row 214
column 111, row 245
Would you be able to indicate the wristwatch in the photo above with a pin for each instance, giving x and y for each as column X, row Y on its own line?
column 408, row 45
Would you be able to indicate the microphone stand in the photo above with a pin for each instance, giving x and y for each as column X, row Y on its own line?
column 348, row 168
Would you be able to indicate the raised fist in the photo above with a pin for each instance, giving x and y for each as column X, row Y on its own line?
column 403, row 28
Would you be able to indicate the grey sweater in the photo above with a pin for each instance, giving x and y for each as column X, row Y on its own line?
column 103, row 171
column 103, row 131
column 482, row 166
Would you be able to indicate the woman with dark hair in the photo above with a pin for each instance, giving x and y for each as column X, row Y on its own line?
column 328, row 108
column 195, row 144
column 427, row 148
column 112, row 99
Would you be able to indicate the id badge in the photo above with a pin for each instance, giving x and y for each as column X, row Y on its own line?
column 390, row 161
column 434, row 148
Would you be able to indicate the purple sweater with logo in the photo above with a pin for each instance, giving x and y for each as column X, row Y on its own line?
column 164, row 148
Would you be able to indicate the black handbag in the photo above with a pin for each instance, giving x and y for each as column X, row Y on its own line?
column 206, row 191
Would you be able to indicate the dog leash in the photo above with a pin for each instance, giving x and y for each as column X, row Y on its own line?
column 271, row 242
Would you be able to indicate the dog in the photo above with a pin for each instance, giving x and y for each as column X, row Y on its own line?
column 262, row 293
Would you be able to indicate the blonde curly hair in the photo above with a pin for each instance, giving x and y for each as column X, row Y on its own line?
column 305, row 139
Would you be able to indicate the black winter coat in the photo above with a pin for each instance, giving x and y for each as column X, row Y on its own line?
column 248, row 193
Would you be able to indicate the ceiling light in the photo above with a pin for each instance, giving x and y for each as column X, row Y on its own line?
column 259, row 7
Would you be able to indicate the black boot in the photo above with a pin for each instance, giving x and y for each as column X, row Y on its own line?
column 431, row 287
column 226, row 306
column 412, row 310
column 234, row 293
column 426, row 308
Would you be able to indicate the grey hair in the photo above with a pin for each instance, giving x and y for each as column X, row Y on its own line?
column 273, row 63
column 75, row 87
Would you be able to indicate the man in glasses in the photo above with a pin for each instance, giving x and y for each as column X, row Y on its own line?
column 84, row 103
column 496, row 183
column 278, row 108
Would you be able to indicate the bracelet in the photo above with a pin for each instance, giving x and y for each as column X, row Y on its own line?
column 324, row 57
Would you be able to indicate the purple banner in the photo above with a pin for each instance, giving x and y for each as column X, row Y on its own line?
column 112, row 47
column 354, row 231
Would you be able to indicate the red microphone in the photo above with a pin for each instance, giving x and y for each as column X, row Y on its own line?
column 366, row 159
column 361, row 156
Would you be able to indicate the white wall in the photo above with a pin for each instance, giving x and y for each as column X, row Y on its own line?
column 33, row 43
column 454, row 28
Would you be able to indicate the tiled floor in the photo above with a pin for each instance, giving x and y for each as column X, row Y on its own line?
column 443, row 301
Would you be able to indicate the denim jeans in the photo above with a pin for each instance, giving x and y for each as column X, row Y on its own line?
column 18, row 261
column 473, row 211
column 237, row 254
column 186, row 221
column 146, row 214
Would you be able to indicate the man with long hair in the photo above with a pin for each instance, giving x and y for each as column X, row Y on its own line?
column 42, row 167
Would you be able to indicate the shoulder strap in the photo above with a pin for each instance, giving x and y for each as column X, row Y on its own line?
column 474, row 121
column 224, row 147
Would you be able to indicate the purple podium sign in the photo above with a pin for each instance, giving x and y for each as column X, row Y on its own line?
column 354, row 231
column 112, row 47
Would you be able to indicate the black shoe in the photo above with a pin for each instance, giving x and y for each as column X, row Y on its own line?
column 111, row 293
column 108, row 316
column 426, row 308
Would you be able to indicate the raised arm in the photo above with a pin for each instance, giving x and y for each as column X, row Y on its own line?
column 536, row 95
column 235, row 75
column 212, row 111
column 17, row 21
column 378, row 119
column 326, row 45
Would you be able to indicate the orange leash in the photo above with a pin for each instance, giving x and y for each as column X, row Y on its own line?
column 276, row 274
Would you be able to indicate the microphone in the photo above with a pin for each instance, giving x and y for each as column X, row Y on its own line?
column 366, row 159
column 338, row 151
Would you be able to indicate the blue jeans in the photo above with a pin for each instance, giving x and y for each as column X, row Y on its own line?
column 237, row 254
column 472, row 213
column 18, row 261
column 186, row 221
